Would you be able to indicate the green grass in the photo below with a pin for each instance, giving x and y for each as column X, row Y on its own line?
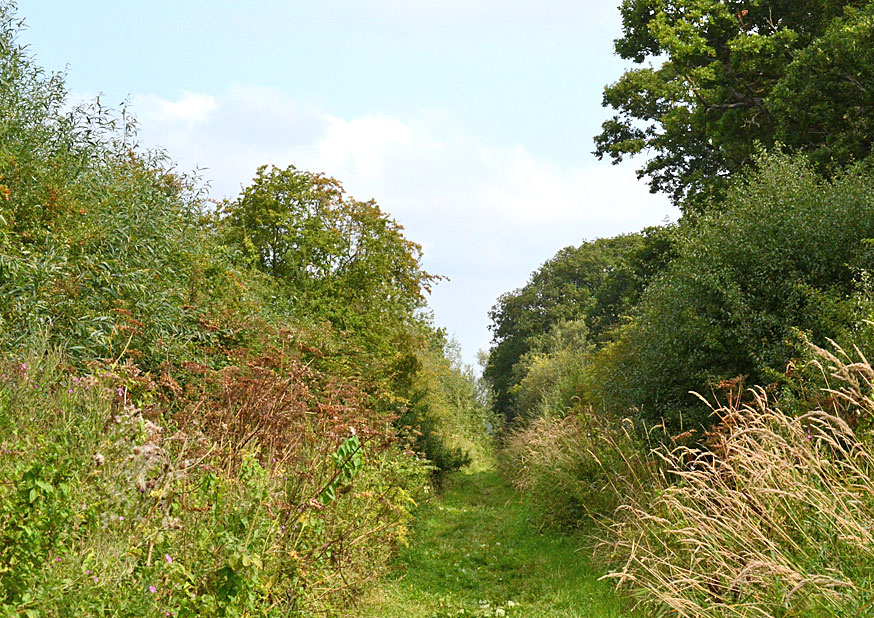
column 476, row 548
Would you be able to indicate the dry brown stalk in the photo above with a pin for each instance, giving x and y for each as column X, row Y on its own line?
column 776, row 518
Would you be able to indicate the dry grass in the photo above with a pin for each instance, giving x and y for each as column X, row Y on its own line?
column 776, row 518
column 578, row 468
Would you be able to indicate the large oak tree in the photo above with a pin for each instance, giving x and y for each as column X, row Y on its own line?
column 717, row 79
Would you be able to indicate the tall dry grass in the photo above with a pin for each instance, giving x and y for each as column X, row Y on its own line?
column 577, row 468
column 775, row 518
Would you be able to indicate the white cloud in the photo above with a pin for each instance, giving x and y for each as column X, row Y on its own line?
column 486, row 216
column 192, row 108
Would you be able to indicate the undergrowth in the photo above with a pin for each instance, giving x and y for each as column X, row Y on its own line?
column 283, row 497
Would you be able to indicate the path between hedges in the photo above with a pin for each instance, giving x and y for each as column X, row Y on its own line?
column 476, row 549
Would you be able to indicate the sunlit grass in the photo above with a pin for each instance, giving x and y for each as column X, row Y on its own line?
column 477, row 549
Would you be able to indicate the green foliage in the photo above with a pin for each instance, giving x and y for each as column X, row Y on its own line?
column 781, row 256
column 338, row 259
column 729, row 76
column 595, row 283
column 105, row 512
column 101, row 246
column 221, row 439
column 551, row 374
column 823, row 103
column 449, row 424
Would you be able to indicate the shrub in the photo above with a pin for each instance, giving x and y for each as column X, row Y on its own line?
column 549, row 378
column 782, row 255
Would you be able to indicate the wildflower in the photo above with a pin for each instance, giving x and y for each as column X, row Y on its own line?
column 120, row 392
column 87, row 571
column 95, row 579
column 24, row 366
column 152, row 589
column 70, row 390
column 58, row 560
column 169, row 559
column 121, row 517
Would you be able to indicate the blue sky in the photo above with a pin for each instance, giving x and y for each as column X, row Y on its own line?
column 470, row 121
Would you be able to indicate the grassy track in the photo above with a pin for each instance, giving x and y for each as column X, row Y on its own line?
column 476, row 549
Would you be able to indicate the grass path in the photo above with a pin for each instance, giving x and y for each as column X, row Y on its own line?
column 475, row 552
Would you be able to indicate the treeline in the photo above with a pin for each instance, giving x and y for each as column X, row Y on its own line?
column 758, row 119
column 206, row 408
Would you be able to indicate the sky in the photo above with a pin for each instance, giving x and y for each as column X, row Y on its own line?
column 470, row 121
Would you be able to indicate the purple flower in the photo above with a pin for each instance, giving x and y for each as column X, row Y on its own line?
column 58, row 560
column 70, row 390
column 169, row 559
column 120, row 392
column 152, row 589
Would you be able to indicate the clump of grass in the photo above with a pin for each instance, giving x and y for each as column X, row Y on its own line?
column 577, row 468
column 775, row 518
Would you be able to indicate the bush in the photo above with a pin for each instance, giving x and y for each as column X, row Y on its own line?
column 549, row 378
column 782, row 255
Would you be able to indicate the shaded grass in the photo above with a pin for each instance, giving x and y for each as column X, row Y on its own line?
column 476, row 549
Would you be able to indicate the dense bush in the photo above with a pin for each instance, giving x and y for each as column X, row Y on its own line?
column 274, row 492
column 217, row 431
column 447, row 420
column 596, row 284
column 550, row 375
column 782, row 256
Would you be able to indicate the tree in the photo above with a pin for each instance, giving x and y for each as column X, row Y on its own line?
column 783, row 256
column 824, row 102
column 731, row 76
column 596, row 283
column 339, row 259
